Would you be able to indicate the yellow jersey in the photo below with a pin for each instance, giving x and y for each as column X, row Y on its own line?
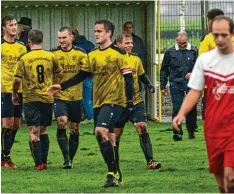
column 137, row 69
column 10, row 53
column 106, row 65
column 71, row 62
column 208, row 43
column 37, row 69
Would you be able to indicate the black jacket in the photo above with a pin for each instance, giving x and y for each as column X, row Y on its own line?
column 176, row 64
column 23, row 37
column 139, row 48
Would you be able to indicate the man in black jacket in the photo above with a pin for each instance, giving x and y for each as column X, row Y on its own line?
column 25, row 25
column 177, row 65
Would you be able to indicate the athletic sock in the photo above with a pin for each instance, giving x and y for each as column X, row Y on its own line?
column 7, row 136
column 44, row 138
column 108, row 154
column 13, row 134
column 2, row 144
column 63, row 143
column 36, row 150
column 31, row 150
column 146, row 146
column 73, row 144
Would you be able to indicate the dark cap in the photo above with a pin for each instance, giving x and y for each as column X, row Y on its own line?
column 25, row 21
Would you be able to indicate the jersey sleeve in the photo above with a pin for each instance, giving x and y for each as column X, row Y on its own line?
column 24, row 50
column 57, row 66
column 123, row 62
column 86, row 61
column 197, row 80
column 141, row 70
column 19, row 71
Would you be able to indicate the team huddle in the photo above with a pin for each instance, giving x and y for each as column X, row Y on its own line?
column 48, row 81
column 51, row 80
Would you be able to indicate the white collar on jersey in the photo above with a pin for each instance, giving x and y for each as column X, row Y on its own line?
column 189, row 46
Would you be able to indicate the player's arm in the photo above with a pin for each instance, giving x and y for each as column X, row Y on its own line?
column 127, row 73
column 79, row 77
column 83, row 73
column 144, row 77
column 164, row 72
column 128, row 78
column 57, row 69
column 17, row 81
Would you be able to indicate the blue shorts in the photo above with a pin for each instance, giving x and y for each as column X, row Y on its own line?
column 107, row 115
column 8, row 109
column 71, row 109
column 38, row 113
column 138, row 115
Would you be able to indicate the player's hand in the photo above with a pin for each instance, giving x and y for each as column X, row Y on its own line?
column 130, row 106
column 188, row 75
column 151, row 88
column 164, row 92
column 15, row 99
column 177, row 122
column 53, row 89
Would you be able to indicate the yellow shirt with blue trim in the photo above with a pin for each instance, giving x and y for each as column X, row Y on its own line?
column 37, row 69
column 10, row 53
column 71, row 62
column 137, row 69
column 106, row 65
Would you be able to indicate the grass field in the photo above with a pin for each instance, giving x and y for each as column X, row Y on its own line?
column 184, row 165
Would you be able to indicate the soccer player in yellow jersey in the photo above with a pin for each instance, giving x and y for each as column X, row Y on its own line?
column 111, row 74
column 67, row 104
column 11, row 50
column 138, row 116
column 37, row 70
column 207, row 42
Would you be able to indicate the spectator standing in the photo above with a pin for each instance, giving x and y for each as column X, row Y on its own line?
column 25, row 25
column 82, row 42
column 177, row 65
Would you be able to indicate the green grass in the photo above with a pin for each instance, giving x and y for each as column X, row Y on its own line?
column 184, row 165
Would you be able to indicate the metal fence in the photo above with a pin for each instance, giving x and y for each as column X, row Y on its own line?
column 189, row 15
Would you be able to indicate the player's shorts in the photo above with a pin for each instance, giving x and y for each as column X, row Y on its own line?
column 38, row 113
column 71, row 109
column 107, row 115
column 8, row 109
column 220, row 153
column 138, row 115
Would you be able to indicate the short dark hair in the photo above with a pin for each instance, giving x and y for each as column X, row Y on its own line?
column 7, row 18
column 120, row 37
column 65, row 28
column 107, row 26
column 129, row 22
column 35, row 36
column 75, row 33
column 213, row 13
column 226, row 18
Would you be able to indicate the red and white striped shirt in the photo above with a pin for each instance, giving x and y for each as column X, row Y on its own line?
column 216, row 72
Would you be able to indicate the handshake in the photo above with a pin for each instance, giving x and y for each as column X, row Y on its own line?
column 54, row 89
